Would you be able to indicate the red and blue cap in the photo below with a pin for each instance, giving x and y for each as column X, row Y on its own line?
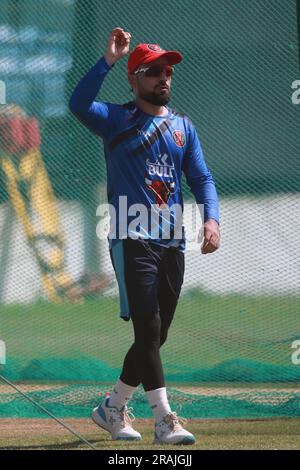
column 144, row 53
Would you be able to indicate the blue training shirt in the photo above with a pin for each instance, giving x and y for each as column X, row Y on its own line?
column 145, row 156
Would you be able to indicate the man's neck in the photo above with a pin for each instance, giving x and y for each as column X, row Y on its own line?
column 149, row 108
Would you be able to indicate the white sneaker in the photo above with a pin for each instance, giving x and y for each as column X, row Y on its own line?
column 170, row 431
column 118, row 423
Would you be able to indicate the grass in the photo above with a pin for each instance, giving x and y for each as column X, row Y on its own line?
column 279, row 434
column 206, row 330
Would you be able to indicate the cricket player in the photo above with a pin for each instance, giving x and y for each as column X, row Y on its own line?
column 147, row 147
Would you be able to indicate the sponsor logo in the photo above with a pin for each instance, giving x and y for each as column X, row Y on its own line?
column 179, row 138
column 154, row 47
column 160, row 167
column 161, row 190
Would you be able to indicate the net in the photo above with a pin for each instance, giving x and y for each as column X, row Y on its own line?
column 233, row 350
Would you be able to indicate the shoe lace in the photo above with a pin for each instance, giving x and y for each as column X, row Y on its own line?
column 174, row 422
column 127, row 417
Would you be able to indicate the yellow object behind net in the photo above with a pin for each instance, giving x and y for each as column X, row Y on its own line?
column 35, row 206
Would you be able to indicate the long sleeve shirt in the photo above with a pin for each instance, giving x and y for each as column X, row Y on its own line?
column 145, row 157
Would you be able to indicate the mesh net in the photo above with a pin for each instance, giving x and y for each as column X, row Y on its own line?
column 233, row 348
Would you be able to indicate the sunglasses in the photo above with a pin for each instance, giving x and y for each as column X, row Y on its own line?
column 156, row 71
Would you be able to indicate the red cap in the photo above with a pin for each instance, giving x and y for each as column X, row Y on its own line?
column 144, row 53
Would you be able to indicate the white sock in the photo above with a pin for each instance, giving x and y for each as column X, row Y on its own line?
column 159, row 403
column 121, row 394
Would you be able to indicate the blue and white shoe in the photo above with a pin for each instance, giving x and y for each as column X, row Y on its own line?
column 170, row 431
column 117, row 422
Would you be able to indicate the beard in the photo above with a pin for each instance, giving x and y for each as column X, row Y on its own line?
column 156, row 97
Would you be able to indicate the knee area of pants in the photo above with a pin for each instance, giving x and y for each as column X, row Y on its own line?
column 149, row 340
column 147, row 321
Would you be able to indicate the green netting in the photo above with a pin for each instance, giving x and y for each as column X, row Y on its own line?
column 76, row 401
column 219, row 369
column 230, row 349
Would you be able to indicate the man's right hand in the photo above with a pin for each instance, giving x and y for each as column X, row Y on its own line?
column 118, row 45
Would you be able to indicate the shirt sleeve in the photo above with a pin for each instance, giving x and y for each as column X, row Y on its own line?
column 199, row 177
column 92, row 114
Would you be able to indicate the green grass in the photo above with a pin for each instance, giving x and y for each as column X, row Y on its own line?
column 206, row 330
column 219, row 435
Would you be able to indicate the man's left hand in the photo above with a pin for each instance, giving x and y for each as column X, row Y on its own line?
column 211, row 240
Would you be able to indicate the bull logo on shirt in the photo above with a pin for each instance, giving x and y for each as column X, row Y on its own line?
column 161, row 190
column 159, row 178
column 160, row 167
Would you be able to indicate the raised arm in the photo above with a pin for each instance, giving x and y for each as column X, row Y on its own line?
column 94, row 115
